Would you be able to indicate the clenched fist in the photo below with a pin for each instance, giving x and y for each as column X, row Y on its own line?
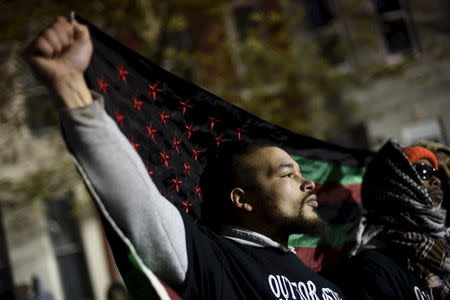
column 59, row 56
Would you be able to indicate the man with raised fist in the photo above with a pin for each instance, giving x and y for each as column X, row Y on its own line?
column 264, row 196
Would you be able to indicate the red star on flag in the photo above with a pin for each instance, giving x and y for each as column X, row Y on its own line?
column 212, row 122
column 122, row 73
column 218, row 140
column 153, row 90
column 164, row 158
column 119, row 118
column 184, row 106
column 195, row 153
column 137, row 104
column 176, row 184
column 238, row 133
column 176, row 144
column 189, row 130
column 103, row 85
column 163, row 117
column 134, row 144
column 198, row 192
column 150, row 172
column 186, row 205
column 151, row 131
column 187, row 169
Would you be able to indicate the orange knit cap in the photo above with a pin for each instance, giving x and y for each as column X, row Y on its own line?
column 417, row 152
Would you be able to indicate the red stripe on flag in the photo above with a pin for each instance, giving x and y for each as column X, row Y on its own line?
column 336, row 194
column 320, row 257
column 172, row 294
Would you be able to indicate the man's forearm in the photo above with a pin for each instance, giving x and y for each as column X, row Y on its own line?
column 120, row 179
column 71, row 91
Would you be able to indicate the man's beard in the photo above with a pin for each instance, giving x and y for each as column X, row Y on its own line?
column 312, row 226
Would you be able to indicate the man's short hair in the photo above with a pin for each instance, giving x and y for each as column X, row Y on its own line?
column 223, row 172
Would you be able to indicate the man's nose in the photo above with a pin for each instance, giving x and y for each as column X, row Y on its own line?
column 307, row 185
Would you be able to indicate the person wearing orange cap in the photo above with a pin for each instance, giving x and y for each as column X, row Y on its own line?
column 442, row 153
column 399, row 248
column 426, row 164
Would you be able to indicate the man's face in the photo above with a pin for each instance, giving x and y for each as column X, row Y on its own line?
column 280, row 195
column 433, row 184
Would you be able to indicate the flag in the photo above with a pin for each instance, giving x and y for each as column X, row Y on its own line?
column 173, row 125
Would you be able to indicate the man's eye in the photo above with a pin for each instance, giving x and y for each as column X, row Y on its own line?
column 287, row 175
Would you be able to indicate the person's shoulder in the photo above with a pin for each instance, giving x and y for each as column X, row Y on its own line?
column 381, row 265
column 371, row 260
column 198, row 232
column 381, row 273
column 363, row 262
column 372, row 255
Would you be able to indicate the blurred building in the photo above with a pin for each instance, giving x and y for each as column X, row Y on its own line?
column 394, row 54
column 48, row 226
column 405, row 73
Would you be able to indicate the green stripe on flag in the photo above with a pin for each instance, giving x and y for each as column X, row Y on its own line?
column 325, row 172
column 336, row 238
column 136, row 281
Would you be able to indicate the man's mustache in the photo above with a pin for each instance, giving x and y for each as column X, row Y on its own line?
column 305, row 198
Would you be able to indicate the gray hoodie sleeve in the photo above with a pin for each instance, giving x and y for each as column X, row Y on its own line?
column 119, row 178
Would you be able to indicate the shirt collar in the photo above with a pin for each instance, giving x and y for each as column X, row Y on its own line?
column 248, row 237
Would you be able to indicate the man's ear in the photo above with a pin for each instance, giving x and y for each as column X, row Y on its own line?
column 239, row 200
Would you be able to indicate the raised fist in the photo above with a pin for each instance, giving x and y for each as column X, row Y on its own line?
column 59, row 56
column 62, row 49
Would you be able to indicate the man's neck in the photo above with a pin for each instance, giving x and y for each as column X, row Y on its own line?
column 252, row 238
column 269, row 231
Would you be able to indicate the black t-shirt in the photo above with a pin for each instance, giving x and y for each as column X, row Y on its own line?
column 220, row 268
column 378, row 274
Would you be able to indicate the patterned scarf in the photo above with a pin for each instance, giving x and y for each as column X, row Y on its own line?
column 400, row 213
